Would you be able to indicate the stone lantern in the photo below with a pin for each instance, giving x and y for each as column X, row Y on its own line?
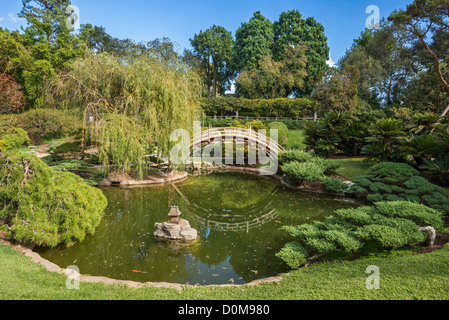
column 174, row 215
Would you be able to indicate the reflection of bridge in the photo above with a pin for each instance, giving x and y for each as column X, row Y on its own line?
column 239, row 136
column 237, row 226
column 231, row 226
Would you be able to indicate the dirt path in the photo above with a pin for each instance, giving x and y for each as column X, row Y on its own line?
column 41, row 151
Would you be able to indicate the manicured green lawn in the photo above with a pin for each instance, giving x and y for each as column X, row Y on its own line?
column 424, row 276
column 352, row 167
column 295, row 138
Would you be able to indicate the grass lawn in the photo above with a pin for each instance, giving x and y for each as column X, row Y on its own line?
column 351, row 167
column 423, row 276
column 295, row 138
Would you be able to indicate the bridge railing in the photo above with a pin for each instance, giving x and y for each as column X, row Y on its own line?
column 244, row 133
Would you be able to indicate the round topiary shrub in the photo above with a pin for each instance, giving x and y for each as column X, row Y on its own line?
column 282, row 131
column 43, row 206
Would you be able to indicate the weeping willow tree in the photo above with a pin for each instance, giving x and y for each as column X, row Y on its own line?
column 129, row 103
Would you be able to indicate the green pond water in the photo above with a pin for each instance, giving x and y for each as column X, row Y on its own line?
column 238, row 217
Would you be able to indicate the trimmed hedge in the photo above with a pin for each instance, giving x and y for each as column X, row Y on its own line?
column 284, row 107
column 282, row 131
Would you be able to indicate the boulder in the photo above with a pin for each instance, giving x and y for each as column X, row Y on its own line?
column 175, row 231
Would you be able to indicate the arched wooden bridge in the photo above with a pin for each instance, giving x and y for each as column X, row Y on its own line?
column 236, row 135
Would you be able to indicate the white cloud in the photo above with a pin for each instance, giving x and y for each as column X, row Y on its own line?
column 2, row 18
column 13, row 18
column 330, row 62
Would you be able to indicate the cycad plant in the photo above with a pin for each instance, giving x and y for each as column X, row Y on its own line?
column 423, row 123
column 387, row 130
column 438, row 167
column 327, row 136
column 422, row 146
column 357, row 132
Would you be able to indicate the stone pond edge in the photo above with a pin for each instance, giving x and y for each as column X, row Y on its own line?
column 52, row 267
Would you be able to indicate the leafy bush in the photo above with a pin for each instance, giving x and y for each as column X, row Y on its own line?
column 308, row 171
column 294, row 155
column 334, row 184
column 44, row 206
column 397, row 181
column 13, row 139
column 300, row 166
column 68, row 147
column 389, row 225
column 282, row 131
column 48, row 123
column 281, row 107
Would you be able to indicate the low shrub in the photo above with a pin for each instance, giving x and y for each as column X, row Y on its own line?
column 388, row 225
column 282, row 131
column 75, row 146
column 294, row 155
column 48, row 124
column 398, row 181
column 304, row 171
column 14, row 138
column 334, row 184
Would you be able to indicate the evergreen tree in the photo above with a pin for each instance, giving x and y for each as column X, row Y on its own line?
column 293, row 29
column 253, row 41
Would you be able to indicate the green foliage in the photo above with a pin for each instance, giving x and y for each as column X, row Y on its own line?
column 14, row 138
column 43, row 206
column 294, row 155
column 303, row 171
column 48, row 124
column 390, row 225
column 438, row 167
column 75, row 146
column 338, row 89
column 11, row 95
column 294, row 254
column 397, row 181
column 272, row 78
column 292, row 28
column 144, row 96
column 334, row 184
column 122, row 143
column 326, row 136
column 303, row 166
column 268, row 107
column 253, row 41
column 282, row 131
column 216, row 43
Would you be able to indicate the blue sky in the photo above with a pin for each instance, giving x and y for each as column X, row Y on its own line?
column 144, row 20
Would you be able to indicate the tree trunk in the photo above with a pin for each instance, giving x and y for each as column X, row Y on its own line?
column 437, row 62
column 215, row 81
column 355, row 148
